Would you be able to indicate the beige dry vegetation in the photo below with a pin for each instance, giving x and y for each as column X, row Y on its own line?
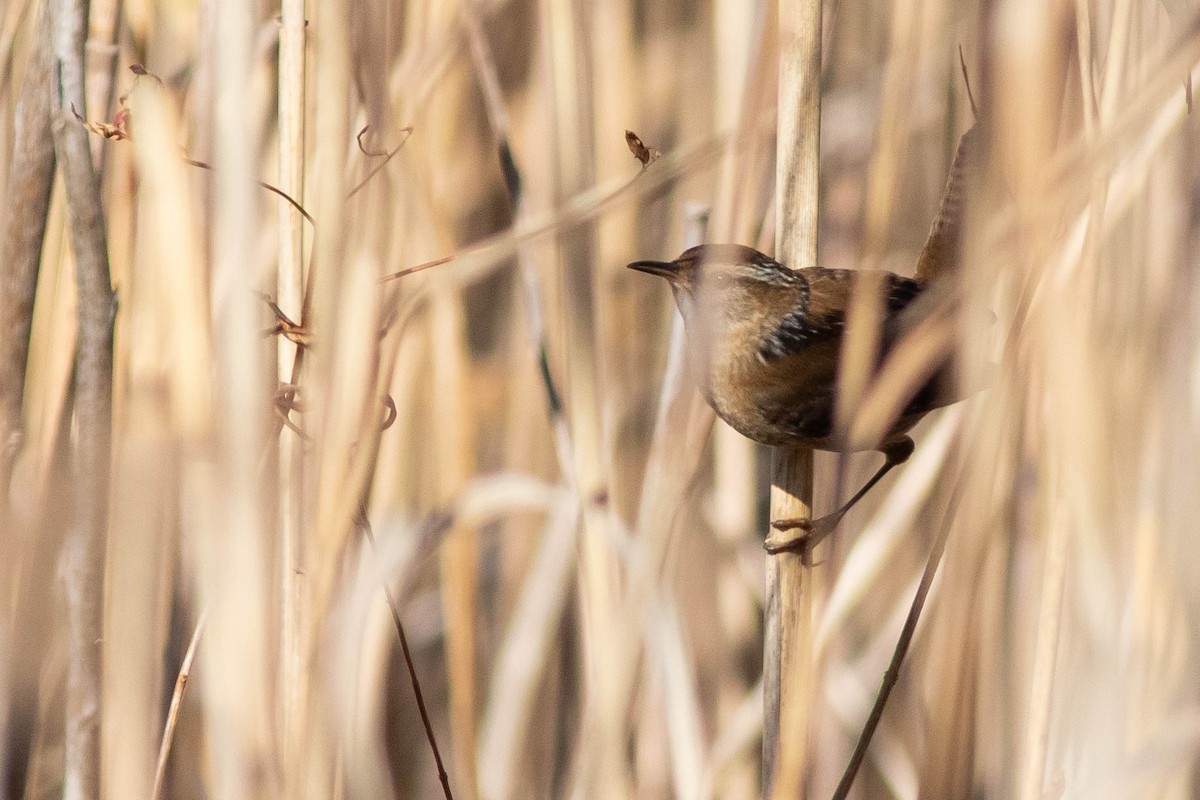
column 572, row 546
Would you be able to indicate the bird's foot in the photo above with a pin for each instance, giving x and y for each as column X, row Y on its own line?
column 812, row 531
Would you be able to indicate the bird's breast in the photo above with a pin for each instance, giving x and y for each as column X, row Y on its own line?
column 784, row 401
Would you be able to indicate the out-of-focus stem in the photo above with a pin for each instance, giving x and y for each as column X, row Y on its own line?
column 84, row 549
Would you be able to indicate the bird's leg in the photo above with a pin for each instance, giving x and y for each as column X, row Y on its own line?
column 814, row 530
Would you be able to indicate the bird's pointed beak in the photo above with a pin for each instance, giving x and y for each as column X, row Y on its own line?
column 663, row 269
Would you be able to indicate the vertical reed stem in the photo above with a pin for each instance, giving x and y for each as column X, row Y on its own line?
column 787, row 653
column 30, row 176
column 290, row 288
column 85, row 545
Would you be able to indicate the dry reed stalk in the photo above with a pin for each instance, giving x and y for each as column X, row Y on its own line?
column 49, row 385
column 33, row 433
column 481, row 259
column 895, row 121
column 962, row 660
column 15, row 15
column 84, row 548
column 681, row 735
column 38, row 522
column 455, row 423
column 141, row 577
column 683, row 422
column 788, row 667
column 230, row 514
column 100, row 83
column 517, row 676
column 290, row 296
column 1025, row 53
column 504, row 736
column 460, row 555
column 745, row 78
column 892, row 675
column 30, row 175
column 684, row 740
column 40, row 778
column 681, row 408
column 1107, row 293
column 338, row 379
column 570, row 86
column 735, row 744
column 170, row 310
column 614, row 100
column 177, row 694
column 881, row 541
column 571, row 90
column 533, row 692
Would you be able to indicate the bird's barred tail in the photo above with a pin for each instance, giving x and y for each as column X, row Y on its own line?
column 943, row 248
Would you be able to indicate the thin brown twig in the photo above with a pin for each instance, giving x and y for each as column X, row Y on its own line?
column 181, row 682
column 584, row 206
column 363, row 148
column 364, row 525
column 120, row 130
column 386, row 158
column 292, row 202
column 962, row 63
column 892, row 675
column 437, row 262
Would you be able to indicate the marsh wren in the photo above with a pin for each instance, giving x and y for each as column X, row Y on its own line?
column 766, row 344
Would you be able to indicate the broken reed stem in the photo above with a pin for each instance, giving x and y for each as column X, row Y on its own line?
column 85, row 545
column 787, row 647
column 181, row 682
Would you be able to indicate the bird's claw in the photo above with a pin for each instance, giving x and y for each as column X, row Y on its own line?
column 812, row 531
column 775, row 544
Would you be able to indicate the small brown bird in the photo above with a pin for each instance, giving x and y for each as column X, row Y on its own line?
column 766, row 343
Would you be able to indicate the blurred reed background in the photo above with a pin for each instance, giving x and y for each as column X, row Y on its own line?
column 572, row 547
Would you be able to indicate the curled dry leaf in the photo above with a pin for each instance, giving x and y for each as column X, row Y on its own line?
column 363, row 148
column 646, row 155
column 120, row 127
column 117, row 129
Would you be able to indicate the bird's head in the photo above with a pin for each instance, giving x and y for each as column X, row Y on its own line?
column 732, row 277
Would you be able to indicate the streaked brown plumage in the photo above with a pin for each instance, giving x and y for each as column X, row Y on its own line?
column 766, row 342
